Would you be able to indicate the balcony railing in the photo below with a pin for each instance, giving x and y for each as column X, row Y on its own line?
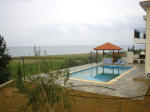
column 140, row 33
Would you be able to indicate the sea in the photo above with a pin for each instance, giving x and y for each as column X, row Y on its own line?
column 60, row 50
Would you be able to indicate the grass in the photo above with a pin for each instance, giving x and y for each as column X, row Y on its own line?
column 33, row 64
column 12, row 101
column 34, row 67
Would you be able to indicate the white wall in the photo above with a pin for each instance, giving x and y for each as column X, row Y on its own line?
column 147, row 65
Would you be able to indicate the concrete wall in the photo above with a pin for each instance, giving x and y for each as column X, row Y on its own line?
column 130, row 56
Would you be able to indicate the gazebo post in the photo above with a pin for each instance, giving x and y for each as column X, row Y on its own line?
column 96, row 70
column 96, row 56
column 103, row 54
column 118, row 53
column 113, row 56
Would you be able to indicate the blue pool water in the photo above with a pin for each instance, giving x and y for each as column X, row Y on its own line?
column 103, row 73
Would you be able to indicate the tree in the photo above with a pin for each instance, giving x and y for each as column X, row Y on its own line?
column 128, row 49
column 133, row 48
column 4, row 61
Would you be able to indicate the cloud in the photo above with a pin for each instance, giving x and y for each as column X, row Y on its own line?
column 69, row 22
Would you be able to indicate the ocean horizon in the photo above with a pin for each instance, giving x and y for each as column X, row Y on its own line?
column 59, row 50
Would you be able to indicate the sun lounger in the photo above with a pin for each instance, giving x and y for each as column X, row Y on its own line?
column 118, row 61
column 105, row 61
column 123, row 62
column 110, row 61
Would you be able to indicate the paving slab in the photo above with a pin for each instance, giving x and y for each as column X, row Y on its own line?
column 124, row 86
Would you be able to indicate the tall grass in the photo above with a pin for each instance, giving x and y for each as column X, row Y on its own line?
column 32, row 65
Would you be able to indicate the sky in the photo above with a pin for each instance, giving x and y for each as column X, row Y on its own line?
column 69, row 22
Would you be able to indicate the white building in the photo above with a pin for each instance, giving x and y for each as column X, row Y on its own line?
column 146, row 6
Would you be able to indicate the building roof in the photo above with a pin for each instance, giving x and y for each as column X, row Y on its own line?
column 108, row 46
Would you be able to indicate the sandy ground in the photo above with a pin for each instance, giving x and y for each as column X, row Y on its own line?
column 12, row 101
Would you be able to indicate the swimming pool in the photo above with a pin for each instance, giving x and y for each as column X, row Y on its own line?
column 103, row 73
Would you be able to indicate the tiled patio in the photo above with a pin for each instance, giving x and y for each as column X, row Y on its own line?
column 125, row 86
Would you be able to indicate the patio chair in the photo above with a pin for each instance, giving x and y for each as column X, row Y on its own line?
column 118, row 61
column 105, row 61
column 123, row 62
column 110, row 61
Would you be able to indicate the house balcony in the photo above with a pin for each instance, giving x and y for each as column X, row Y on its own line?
column 140, row 36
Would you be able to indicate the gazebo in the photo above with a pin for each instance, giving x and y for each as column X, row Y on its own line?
column 107, row 46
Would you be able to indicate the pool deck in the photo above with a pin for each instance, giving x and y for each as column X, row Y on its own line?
column 124, row 86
